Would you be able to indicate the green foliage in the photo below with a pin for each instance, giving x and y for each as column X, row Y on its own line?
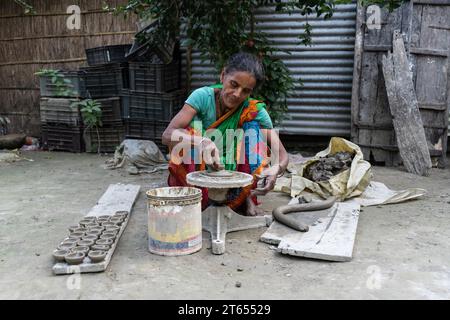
column 63, row 86
column 279, row 82
column 219, row 28
column 91, row 112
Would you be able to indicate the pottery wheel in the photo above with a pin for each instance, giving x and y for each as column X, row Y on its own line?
column 221, row 173
column 222, row 179
column 219, row 219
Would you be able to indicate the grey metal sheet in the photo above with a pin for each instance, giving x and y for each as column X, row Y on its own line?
column 321, row 106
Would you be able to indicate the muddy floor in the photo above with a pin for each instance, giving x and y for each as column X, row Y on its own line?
column 401, row 251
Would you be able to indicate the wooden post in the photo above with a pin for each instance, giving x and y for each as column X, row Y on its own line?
column 357, row 72
column 404, row 108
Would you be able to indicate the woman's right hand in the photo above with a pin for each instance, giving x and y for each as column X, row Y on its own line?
column 211, row 154
column 270, row 178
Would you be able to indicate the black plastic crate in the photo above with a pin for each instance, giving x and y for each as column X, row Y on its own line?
column 154, row 53
column 151, row 77
column 107, row 54
column 76, row 86
column 146, row 130
column 62, row 138
column 152, row 106
column 111, row 109
column 60, row 111
column 111, row 136
column 105, row 81
column 145, row 49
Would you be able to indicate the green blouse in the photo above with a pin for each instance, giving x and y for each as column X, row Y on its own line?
column 203, row 101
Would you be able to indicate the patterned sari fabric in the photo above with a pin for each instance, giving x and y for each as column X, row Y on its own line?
column 249, row 154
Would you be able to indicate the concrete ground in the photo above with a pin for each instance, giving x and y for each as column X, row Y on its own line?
column 401, row 251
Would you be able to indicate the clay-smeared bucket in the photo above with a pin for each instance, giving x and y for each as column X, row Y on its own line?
column 174, row 220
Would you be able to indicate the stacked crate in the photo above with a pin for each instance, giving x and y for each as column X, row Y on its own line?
column 60, row 120
column 104, row 79
column 138, row 88
column 154, row 96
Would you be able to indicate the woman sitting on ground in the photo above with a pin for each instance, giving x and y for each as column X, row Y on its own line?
column 225, row 107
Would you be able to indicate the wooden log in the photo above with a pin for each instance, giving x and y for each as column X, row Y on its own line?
column 404, row 108
column 12, row 141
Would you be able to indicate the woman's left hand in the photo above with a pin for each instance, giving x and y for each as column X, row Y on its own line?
column 270, row 176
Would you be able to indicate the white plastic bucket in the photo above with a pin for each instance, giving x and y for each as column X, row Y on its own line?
column 174, row 220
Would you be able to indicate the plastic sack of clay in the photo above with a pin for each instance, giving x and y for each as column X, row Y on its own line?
column 138, row 156
column 348, row 183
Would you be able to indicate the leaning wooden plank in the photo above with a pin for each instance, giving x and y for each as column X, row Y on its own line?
column 404, row 107
column 118, row 197
column 332, row 239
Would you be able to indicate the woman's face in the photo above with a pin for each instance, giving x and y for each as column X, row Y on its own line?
column 237, row 86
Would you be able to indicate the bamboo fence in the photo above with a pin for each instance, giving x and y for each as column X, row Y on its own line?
column 29, row 43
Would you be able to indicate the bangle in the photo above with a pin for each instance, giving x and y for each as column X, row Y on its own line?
column 282, row 172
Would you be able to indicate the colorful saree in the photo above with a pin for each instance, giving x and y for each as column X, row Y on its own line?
column 242, row 151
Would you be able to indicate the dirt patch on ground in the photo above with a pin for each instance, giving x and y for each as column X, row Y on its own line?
column 401, row 251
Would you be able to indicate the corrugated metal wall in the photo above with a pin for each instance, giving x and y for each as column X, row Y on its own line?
column 322, row 105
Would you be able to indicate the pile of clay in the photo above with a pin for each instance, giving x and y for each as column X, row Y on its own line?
column 91, row 239
column 331, row 165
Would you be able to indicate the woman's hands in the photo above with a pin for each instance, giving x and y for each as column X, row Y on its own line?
column 279, row 156
column 270, row 177
column 210, row 154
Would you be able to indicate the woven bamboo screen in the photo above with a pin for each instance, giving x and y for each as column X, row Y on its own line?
column 29, row 43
